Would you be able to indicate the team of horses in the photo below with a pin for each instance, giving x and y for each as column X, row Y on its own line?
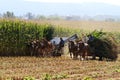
column 80, row 49
column 42, row 48
column 39, row 48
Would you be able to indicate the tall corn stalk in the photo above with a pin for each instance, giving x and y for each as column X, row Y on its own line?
column 15, row 33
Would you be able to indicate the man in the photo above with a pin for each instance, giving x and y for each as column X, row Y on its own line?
column 91, row 38
column 61, row 45
column 85, row 39
column 54, row 43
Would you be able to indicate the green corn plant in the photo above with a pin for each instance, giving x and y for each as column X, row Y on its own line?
column 15, row 33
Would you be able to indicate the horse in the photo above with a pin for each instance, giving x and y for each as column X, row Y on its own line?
column 72, row 49
column 45, row 48
column 83, row 50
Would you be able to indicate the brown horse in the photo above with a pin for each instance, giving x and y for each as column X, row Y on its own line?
column 31, row 47
column 83, row 50
column 40, row 48
column 45, row 48
column 73, row 49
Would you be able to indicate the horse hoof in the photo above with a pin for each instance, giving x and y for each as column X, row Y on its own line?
column 82, row 59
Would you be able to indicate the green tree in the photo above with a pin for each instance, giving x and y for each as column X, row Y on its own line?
column 8, row 14
column 29, row 15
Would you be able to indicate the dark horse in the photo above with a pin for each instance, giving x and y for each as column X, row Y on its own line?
column 83, row 50
column 73, row 49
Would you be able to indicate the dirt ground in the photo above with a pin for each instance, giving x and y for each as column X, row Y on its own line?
column 60, row 68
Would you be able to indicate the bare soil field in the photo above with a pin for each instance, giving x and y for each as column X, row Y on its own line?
column 59, row 68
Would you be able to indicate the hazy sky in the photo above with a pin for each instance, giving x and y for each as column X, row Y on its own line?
column 61, row 7
column 113, row 2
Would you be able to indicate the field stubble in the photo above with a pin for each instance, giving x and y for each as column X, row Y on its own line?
column 19, row 67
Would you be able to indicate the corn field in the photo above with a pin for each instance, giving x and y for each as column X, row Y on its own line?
column 15, row 33
column 65, row 31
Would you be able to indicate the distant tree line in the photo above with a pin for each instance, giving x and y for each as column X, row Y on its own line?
column 31, row 16
column 7, row 15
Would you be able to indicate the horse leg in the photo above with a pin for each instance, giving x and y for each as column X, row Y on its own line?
column 74, row 55
column 82, row 56
column 93, row 57
column 86, row 55
column 40, row 53
column 46, row 52
column 32, row 51
column 37, row 52
column 100, row 58
column 71, row 54
column 49, row 52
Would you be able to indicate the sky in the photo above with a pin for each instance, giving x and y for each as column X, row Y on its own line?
column 61, row 7
column 112, row 2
